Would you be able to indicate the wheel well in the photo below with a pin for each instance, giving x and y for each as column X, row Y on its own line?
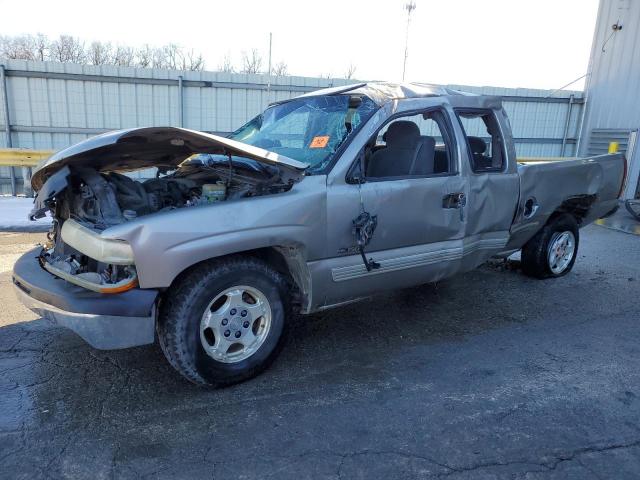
column 283, row 259
column 578, row 206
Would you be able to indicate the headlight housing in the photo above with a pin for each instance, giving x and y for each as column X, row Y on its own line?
column 93, row 245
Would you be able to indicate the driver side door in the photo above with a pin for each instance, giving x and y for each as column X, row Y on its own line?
column 420, row 230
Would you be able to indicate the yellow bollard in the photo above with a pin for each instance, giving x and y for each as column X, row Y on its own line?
column 613, row 147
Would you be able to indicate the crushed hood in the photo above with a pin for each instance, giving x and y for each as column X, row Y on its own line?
column 138, row 148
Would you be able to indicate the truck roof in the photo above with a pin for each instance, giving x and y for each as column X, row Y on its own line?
column 383, row 92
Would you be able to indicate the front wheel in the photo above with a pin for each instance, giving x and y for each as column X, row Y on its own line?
column 224, row 321
column 553, row 250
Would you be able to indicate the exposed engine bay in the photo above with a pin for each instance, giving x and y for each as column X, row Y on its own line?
column 92, row 201
column 106, row 199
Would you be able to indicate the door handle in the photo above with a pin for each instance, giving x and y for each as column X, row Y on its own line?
column 454, row 200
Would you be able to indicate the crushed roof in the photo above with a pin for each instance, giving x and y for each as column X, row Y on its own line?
column 382, row 92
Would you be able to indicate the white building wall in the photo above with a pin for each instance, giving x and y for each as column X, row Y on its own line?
column 613, row 84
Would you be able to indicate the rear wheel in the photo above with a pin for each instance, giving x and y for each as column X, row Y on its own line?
column 552, row 251
column 633, row 207
column 224, row 321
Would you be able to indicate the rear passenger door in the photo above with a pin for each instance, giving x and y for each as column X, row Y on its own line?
column 493, row 184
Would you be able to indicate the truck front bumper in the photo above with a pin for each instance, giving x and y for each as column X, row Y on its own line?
column 105, row 321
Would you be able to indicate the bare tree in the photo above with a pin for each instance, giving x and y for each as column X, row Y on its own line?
column 159, row 58
column 7, row 47
column 144, row 56
column 280, row 70
column 72, row 50
column 21, row 47
column 252, row 62
column 68, row 49
column 42, row 47
column 173, row 56
column 100, row 53
column 350, row 71
column 25, row 47
column 227, row 65
column 124, row 56
column 192, row 61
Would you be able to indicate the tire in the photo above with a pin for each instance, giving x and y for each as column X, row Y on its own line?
column 198, row 334
column 633, row 207
column 537, row 258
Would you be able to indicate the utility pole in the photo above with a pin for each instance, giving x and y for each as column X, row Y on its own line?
column 269, row 72
column 410, row 6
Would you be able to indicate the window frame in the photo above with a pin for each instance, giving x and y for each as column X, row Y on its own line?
column 483, row 112
column 448, row 130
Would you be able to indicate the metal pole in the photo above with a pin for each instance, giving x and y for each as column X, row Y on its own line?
column 409, row 7
column 583, row 113
column 180, row 102
column 269, row 73
column 5, row 96
column 7, row 123
column 566, row 126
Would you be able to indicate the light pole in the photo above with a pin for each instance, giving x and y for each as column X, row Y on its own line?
column 410, row 6
column 269, row 72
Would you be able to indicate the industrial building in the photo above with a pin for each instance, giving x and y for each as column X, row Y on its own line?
column 612, row 90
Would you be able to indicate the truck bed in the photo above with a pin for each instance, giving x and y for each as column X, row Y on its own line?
column 590, row 185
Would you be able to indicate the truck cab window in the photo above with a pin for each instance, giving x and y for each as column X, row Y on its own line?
column 484, row 140
column 415, row 145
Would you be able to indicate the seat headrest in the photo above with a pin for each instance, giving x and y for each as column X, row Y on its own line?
column 402, row 133
column 477, row 145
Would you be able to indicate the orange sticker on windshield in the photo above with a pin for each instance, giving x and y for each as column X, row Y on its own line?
column 319, row 142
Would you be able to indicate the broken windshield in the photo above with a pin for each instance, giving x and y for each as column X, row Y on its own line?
column 309, row 129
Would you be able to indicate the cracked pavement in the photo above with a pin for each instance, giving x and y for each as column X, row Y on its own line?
column 486, row 375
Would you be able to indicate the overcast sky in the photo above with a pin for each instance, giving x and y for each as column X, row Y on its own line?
column 508, row 43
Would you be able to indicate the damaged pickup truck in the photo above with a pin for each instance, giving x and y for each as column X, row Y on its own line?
column 320, row 200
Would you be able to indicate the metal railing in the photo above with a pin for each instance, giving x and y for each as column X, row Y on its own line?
column 22, row 157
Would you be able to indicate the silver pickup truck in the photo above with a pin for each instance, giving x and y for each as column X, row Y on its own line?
column 318, row 201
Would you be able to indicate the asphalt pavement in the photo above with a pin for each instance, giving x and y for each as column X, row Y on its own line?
column 486, row 375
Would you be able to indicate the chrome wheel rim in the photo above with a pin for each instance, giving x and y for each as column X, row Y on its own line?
column 562, row 247
column 235, row 324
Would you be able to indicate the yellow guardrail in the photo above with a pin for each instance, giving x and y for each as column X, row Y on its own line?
column 22, row 157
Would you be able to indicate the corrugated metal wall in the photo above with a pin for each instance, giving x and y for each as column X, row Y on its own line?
column 53, row 105
column 613, row 87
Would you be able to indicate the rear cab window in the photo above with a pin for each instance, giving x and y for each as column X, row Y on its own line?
column 484, row 140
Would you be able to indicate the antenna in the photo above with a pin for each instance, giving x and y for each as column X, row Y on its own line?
column 410, row 6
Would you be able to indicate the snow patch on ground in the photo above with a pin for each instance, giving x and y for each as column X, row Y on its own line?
column 13, row 215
